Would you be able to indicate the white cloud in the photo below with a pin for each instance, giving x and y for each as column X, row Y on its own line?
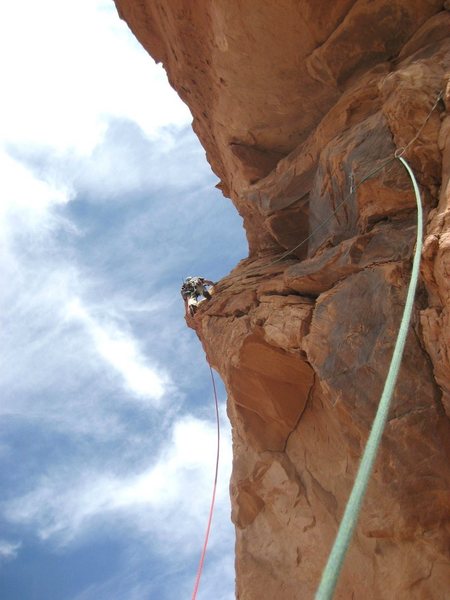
column 65, row 363
column 71, row 65
column 120, row 350
column 169, row 500
column 42, row 295
column 8, row 550
column 23, row 192
column 27, row 203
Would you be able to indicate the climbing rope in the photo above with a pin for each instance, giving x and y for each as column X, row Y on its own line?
column 349, row 520
column 213, row 499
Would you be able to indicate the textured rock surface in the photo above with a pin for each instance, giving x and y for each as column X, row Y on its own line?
column 297, row 104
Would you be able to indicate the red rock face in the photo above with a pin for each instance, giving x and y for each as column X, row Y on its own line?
column 297, row 104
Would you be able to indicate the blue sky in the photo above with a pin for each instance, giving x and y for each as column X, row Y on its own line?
column 107, row 435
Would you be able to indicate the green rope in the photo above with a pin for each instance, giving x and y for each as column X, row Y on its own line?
column 336, row 559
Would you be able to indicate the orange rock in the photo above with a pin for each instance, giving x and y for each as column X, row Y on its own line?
column 299, row 105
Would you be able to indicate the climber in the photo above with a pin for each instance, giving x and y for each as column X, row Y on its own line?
column 192, row 288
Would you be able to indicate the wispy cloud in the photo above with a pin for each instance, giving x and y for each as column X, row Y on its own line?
column 27, row 202
column 46, row 326
column 125, row 164
column 167, row 502
column 8, row 550
column 120, row 350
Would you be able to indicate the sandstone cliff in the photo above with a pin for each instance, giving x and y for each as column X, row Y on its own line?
column 296, row 102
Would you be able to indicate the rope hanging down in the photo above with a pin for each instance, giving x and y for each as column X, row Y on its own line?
column 349, row 520
column 213, row 499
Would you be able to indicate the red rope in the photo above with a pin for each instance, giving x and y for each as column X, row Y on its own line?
column 213, row 499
